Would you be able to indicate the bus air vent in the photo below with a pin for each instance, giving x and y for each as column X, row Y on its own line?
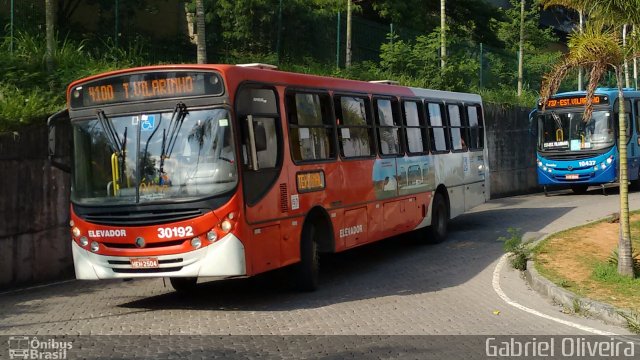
column 284, row 198
column 385, row 82
column 142, row 218
column 259, row 66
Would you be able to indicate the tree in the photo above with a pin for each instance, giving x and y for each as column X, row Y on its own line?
column 201, row 42
column 521, row 48
column 50, row 33
column 599, row 48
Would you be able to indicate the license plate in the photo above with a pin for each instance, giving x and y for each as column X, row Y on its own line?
column 572, row 176
column 144, row 263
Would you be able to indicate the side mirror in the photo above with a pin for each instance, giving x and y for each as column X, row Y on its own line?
column 60, row 140
column 533, row 123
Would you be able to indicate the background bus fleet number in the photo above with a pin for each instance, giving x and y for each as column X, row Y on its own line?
column 176, row 231
column 587, row 163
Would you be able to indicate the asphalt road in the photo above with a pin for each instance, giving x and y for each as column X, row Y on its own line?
column 395, row 287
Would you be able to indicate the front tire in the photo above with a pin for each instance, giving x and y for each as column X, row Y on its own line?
column 184, row 284
column 308, row 269
column 437, row 232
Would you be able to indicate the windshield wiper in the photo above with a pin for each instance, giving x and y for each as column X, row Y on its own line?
column 118, row 146
column 112, row 134
column 168, row 142
column 557, row 119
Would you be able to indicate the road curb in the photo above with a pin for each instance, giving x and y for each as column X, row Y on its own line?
column 589, row 307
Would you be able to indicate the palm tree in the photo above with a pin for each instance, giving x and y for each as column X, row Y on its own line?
column 599, row 48
column 201, row 42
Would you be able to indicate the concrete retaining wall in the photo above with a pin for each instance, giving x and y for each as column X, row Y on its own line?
column 512, row 160
column 34, row 212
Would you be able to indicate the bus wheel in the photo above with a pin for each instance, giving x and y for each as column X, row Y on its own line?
column 437, row 232
column 579, row 189
column 307, row 270
column 184, row 284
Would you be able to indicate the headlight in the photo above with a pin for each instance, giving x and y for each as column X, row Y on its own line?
column 212, row 236
column 196, row 243
column 75, row 231
column 84, row 241
column 95, row 246
column 610, row 160
column 226, row 226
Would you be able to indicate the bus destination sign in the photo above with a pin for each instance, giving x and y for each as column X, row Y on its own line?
column 574, row 101
column 145, row 86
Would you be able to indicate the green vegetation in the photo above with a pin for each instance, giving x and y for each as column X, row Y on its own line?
column 518, row 251
column 28, row 93
column 298, row 35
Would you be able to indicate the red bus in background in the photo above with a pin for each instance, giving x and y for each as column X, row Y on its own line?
column 223, row 171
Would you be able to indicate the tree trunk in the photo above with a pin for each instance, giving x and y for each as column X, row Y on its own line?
column 50, row 14
column 347, row 60
column 625, row 259
column 521, row 53
column 201, row 42
column 443, row 34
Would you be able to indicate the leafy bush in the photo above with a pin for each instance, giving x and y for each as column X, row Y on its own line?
column 519, row 252
column 29, row 93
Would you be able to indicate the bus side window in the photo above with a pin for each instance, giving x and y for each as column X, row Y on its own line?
column 355, row 130
column 388, row 123
column 458, row 128
column 637, row 118
column 311, row 126
column 437, row 124
column 476, row 127
column 415, row 127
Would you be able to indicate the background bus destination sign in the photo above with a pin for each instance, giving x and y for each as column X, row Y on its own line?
column 574, row 101
column 147, row 86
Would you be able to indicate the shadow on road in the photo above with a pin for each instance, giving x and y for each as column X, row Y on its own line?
column 395, row 267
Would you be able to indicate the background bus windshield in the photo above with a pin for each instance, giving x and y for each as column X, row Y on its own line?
column 568, row 131
column 153, row 157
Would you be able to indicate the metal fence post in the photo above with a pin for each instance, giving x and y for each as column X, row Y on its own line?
column 481, row 66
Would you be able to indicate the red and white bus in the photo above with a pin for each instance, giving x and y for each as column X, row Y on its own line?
column 224, row 171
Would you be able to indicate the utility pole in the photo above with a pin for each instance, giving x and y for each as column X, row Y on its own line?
column 50, row 33
column 443, row 35
column 347, row 62
column 201, row 42
column 580, row 70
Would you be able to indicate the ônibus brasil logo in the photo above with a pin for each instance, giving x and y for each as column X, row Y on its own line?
column 24, row 347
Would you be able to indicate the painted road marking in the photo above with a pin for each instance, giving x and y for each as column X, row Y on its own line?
column 496, row 287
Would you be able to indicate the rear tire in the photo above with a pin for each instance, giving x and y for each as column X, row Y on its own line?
column 307, row 270
column 579, row 189
column 437, row 232
column 184, row 284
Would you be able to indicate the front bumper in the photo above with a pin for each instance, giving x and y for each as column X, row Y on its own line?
column 222, row 259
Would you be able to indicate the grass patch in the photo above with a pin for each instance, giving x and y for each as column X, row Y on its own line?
column 580, row 260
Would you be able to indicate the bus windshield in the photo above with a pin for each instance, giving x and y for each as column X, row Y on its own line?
column 569, row 132
column 146, row 157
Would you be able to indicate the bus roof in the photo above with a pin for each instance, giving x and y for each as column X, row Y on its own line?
column 236, row 74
